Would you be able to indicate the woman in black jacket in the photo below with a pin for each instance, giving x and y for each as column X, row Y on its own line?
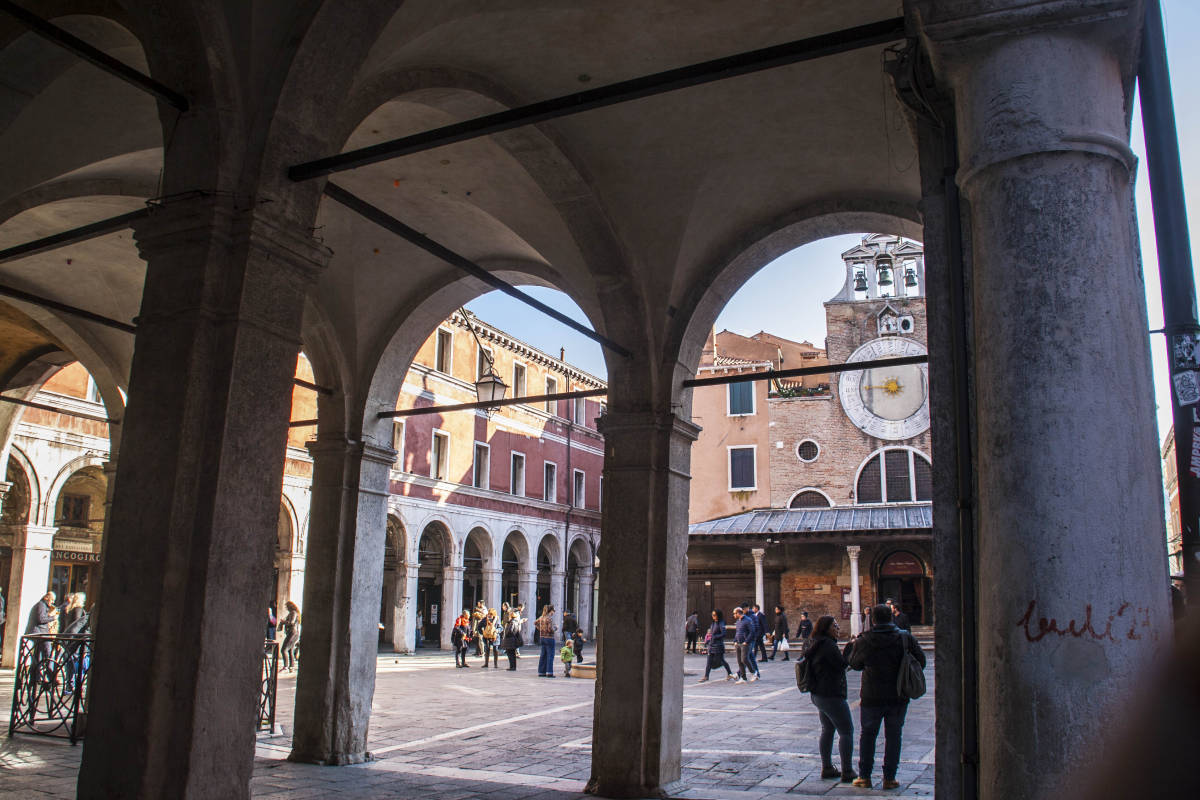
column 716, row 647
column 827, row 685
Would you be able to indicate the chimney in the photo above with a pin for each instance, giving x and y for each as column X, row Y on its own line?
column 562, row 354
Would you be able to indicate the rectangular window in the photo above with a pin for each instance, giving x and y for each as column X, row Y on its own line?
column 741, row 469
column 551, row 482
column 75, row 510
column 579, row 409
column 398, row 443
column 579, row 485
column 483, row 359
column 93, row 391
column 600, row 495
column 741, row 399
column 518, row 384
column 442, row 349
column 481, row 470
column 516, row 476
column 551, row 388
column 439, row 455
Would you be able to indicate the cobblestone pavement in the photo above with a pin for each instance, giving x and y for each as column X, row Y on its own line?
column 443, row 733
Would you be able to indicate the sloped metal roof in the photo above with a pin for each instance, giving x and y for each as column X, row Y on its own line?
column 876, row 519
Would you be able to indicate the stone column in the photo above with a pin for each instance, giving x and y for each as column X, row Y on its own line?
column 452, row 601
column 491, row 588
column 28, row 581
column 340, row 634
column 585, row 581
column 759, row 553
column 527, row 590
column 855, row 600
column 404, row 636
column 1072, row 609
column 638, row 720
column 558, row 598
column 176, row 677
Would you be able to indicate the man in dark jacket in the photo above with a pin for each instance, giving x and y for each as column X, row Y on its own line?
column 878, row 654
column 899, row 618
column 761, row 620
column 756, row 633
column 743, row 640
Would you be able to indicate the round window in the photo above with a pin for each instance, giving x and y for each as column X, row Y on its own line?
column 807, row 450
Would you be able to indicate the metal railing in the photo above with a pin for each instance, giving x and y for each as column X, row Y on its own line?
column 51, row 686
column 270, row 681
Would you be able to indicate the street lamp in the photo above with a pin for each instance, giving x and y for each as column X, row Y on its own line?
column 490, row 388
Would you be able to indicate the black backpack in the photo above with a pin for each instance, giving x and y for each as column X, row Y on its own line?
column 910, row 682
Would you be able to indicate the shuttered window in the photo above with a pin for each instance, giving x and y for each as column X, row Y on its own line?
column 741, row 469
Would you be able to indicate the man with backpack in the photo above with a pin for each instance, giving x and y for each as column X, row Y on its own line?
column 880, row 654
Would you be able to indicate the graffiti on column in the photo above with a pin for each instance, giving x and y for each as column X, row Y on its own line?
column 1044, row 626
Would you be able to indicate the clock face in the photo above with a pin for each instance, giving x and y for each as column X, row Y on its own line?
column 887, row 402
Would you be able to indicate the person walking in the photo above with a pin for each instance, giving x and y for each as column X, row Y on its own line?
column 567, row 654
column 291, row 634
column 692, row 629
column 827, row 688
column 755, row 629
column 510, row 640
column 804, row 629
column 546, row 629
column 760, row 624
column 460, row 638
column 878, row 653
column 779, row 633
column 522, row 620
column 715, row 646
column 743, row 640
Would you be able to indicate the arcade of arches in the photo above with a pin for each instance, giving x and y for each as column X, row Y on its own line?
column 649, row 214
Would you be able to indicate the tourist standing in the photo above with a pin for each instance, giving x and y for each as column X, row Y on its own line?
column 692, row 629
column 760, row 624
column 510, row 640
column 490, row 633
column 715, row 645
column 805, row 629
column 827, row 688
column 577, row 641
column 780, row 633
column 546, row 629
column 291, row 634
column 878, row 653
column 460, row 638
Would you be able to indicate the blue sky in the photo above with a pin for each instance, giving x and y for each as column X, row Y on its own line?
column 814, row 273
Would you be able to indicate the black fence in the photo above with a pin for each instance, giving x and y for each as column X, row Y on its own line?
column 50, row 691
column 270, row 680
column 51, row 686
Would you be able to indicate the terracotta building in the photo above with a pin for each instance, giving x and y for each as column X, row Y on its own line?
column 806, row 491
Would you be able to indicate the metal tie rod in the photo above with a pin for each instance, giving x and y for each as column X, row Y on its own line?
column 73, row 236
column 393, row 225
column 43, row 407
column 91, row 316
column 772, row 374
column 94, row 55
column 814, row 47
column 511, row 401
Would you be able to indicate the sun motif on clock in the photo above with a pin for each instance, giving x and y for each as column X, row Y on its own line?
column 887, row 402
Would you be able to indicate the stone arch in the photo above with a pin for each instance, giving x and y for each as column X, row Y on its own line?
column 476, row 559
column 397, row 538
column 901, row 573
column 727, row 271
column 438, row 530
column 22, row 501
column 52, row 501
column 515, row 560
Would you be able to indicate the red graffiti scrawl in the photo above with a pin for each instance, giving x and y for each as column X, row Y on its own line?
column 1044, row 626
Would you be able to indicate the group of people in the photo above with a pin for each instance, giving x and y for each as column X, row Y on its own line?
column 289, row 650
column 69, row 618
column 491, row 632
column 878, row 653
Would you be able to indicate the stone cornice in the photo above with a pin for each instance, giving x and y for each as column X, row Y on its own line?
column 527, row 351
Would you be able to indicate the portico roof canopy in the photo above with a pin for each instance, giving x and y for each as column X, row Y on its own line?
column 833, row 525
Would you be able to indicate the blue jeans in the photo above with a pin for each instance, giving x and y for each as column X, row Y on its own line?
column 835, row 715
column 751, row 661
column 892, row 717
column 546, row 659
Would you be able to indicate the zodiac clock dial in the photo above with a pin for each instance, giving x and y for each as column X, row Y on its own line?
column 890, row 402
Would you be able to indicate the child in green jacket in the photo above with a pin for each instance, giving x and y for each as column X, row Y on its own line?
column 567, row 654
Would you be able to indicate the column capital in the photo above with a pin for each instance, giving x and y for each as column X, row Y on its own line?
column 853, row 551
column 339, row 445
column 451, row 572
column 37, row 537
column 759, row 553
column 643, row 423
column 492, row 573
column 527, row 574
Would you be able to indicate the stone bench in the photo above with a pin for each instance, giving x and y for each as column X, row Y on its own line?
column 583, row 671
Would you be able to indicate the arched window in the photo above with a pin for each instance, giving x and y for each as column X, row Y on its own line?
column 809, row 499
column 895, row 475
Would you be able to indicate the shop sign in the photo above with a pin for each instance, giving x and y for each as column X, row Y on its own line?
column 901, row 565
column 78, row 558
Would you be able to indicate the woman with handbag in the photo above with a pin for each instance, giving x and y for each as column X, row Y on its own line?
column 510, row 640
column 779, row 640
column 489, row 631
column 715, row 644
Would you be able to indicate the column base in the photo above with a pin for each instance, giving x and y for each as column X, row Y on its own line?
column 622, row 790
column 330, row 759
